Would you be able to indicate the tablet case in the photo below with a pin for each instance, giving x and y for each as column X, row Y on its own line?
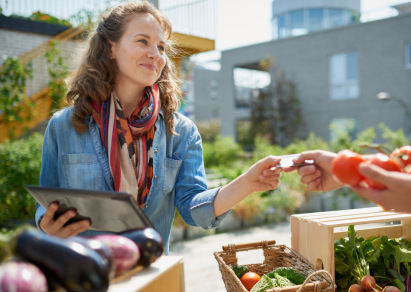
column 107, row 211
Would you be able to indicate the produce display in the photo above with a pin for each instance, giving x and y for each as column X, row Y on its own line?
column 35, row 261
column 372, row 264
column 279, row 277
column 345, row 165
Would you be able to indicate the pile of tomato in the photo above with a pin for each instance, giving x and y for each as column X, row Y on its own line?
column 345, row 165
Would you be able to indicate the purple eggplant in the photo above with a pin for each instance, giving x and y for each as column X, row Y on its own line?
column 65, row 263
column 20, row 276
column 125, row 252
column 149, row 242
column 102, row 249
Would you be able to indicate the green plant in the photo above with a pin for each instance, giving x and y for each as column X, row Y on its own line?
column 20, row 164
column 58, row 70
column 222, row 151
column 13, row 77
column 209, row 131
column 276, row 111
column 248, row 209
column 44, row 17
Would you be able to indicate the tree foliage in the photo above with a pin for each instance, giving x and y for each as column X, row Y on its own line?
column 275, row 111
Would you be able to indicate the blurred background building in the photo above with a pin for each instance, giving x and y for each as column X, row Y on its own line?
column 346, row 67
column 351, row 70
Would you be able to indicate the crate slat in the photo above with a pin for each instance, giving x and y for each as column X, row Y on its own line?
column 313, row 234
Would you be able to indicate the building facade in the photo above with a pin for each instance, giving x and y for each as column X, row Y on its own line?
column 338, row 73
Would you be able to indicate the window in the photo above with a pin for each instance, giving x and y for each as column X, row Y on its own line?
column 297, row 26
column 344, row 76
column 335, row 17
column 245, row 81
column 282, row 27
column 408, row 56
column 316, row 19
column 213, row 89
column 343, row 127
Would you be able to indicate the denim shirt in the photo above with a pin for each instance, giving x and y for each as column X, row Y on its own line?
column 73, row 160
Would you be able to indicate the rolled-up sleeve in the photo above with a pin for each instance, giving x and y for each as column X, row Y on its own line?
column 194, row 200
column 202, row 210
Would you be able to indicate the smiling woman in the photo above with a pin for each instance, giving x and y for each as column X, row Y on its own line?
column 123, row 133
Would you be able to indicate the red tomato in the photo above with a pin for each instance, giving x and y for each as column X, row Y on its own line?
column 403, row 155
column 249, row 279
column 345, row 167
column 385, row 162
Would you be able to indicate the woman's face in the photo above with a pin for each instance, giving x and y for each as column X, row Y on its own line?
column 140, row 52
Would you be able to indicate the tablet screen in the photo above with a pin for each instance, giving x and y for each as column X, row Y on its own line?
column 107, row 211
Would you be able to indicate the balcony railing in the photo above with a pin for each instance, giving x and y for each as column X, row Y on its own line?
column 192, row 17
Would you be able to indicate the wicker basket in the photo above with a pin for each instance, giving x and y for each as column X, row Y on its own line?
column 275, row 256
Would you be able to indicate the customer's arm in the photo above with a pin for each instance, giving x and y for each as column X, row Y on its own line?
column 397, row 195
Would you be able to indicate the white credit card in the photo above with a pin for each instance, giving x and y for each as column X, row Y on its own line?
column 287, row 161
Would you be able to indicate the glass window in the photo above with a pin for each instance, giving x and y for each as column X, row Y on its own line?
column 245, row 81
column 408, row 56
column 316, row 19
column 344, row 76
column 335, row 17
column 352, row 66
column 297, row 26
column 213, row 89
column 282, row 27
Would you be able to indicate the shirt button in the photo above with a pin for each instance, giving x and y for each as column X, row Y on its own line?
column 155, row 177
column 156, row 150
column 146, row 206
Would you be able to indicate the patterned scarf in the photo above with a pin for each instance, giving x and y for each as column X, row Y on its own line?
column 129, row 142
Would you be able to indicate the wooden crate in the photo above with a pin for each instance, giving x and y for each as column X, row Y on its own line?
column 313, row 234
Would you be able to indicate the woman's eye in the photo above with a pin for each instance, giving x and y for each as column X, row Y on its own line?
column 161, row 48
column 142, row 41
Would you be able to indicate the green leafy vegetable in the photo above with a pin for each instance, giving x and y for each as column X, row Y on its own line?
column 291, row 274
column 283, row 281
column 387, row 260
column 264, row 284
column 240, row 270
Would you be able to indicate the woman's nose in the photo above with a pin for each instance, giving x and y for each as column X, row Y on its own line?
column 153, row 53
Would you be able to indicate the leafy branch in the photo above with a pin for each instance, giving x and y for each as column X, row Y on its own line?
column 58, row 70
column 13, row 77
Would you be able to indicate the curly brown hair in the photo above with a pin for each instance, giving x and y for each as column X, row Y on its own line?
column 94, row 78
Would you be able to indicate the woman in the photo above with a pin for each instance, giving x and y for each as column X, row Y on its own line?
column 123, row 133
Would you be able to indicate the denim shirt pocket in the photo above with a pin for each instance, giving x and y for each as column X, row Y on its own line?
column 83, row 171
column 172, row 167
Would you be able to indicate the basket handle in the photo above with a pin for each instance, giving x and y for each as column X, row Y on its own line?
column 256, row 244
column 317, row 287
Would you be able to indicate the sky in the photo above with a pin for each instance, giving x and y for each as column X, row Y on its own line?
column 247, row 22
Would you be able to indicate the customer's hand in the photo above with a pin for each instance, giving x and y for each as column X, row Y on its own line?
column 57, row 228
column 318, row 176
column 397, row 195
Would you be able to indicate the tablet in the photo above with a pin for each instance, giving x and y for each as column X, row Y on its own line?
column 107, row 211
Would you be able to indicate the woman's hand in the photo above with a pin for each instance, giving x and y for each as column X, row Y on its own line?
column 318, row 176
column 397, row 195
column 262, row 176
column 57, row 228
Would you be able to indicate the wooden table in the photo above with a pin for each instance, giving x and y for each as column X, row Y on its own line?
column 165, row 274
